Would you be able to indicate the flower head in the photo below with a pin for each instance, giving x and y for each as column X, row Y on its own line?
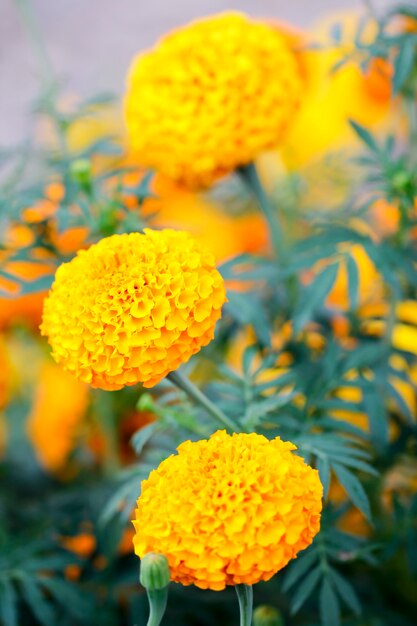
column 211, row 96
column 133, row 307
column 228, row 510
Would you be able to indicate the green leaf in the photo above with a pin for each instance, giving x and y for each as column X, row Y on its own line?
column 298, row 568
column 353, row 488
column 305, row 589
column 323, row 467
column 403, row 407
column 247, row 310
column 67, row 595
column 353, row 282
column 374, row 406
column 37, row 602
column 314, row 295
column 403, row 64
column 346, row 592
column 329, row 605
column 143, row 435
column 8, row 603
column 255, row 412
column 365, row 136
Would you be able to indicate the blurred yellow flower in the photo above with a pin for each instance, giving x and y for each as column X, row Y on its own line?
column 369, row 282
column 133, row 308
column 404, row 332
column 331, row 98
column 16, row 307
column 54, row 422
column 228, row 510
column 210, row 96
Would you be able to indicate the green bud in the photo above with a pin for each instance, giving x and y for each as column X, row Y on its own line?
column 401, row 181
column 81, row 172
column 145, row 403
column 154, row 571
column 267, row 616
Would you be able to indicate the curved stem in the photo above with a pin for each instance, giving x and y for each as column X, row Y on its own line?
column 157, row 604
column 195, row 394
column 245, row 597
column 250, row 177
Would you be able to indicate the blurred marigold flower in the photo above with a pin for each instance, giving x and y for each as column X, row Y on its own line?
column 211, row 96
column 133, row 308
column 369, row 281
column 54, row 422
column 336, row 96
column 228, row 510
column 5, row 375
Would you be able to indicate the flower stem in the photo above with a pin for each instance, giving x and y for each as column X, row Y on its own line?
column 250, row 177
column 157, row 605
column 195, row 394
column 245, row 597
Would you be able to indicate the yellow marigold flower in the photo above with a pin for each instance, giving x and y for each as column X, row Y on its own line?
column 228, row 510
column 133, row 307
column 211, row 96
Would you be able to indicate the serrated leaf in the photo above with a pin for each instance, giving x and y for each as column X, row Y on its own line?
column 346, row 592
column 353, row 488
column 305, row 589
column 67, row 595
column 36, row 601
column 329, row 605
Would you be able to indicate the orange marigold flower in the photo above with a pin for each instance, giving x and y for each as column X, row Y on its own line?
column 133, row 307
column 54, row 422
column 228, row 510
column 211, row 96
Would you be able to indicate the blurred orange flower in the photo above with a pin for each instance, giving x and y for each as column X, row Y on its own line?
column 54, row 422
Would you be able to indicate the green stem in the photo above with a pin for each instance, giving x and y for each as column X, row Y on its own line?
column 107, row 419
column 250, row 177
column 195, row 394
column 28, row 18
column 245, row 597
column 157, row 604
column 48, row 81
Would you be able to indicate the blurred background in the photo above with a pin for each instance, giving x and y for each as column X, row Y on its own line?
column 91, row 42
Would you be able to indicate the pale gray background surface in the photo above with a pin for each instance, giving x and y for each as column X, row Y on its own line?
column 91, row 42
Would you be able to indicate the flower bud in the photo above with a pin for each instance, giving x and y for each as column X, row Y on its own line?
column 265, row 615
column 81, row 172
column 154, row 571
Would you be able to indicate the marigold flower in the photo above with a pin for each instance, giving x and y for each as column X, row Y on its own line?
column 54, row 422
column 228, row 510
column 211, row 96
column 133, row 307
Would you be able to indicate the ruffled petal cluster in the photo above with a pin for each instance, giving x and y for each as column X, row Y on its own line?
column 132, row 308
column 211, row 96
column 228, row 510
